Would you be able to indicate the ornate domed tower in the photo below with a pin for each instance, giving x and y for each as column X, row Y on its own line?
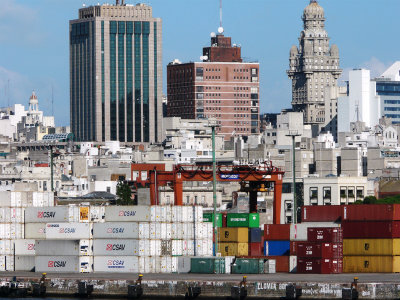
column 313, row 66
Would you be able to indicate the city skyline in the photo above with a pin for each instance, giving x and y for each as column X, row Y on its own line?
column 37, row 59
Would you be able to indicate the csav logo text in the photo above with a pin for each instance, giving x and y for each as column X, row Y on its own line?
column 127, row 213
column 46, row 214
column 115, row 247
column 57, row 264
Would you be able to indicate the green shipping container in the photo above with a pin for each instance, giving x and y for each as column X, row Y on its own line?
column 209, row 217
column 248, row 266
column 243, row 220
column 207, row 265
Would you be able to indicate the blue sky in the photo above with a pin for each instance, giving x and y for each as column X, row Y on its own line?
column 34, row 41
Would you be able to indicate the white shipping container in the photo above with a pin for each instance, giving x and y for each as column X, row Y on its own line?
column 2, row 263
column 6, row 247
column 166, row 231
column 155, row 247
column 73, row 214
column 70, row 231
column 35, row 231
column 17, row 199
column 57, row 247
column 188, row 247
column 270, row 266
column 24, row 263
column 188, row 230
column 5, row 215
column 17, row 214
column 184, row 264
column 24, row 247
column 5, row 231
column 169, row 264
column 155, row 213
column 57, row 264
column 113, row 230
column 134, row 213
column 177, row 248
column 199, row 213
column 293, row 264
column 47, row 214
column 228, row 264
column 9, row 262
column 187, row 213
column 115, row 247
column 5, row 199
column 97, row 214
column 176, row 213
column 17, row 231
column 144, row 230
column 116, row 264
column 145, row 264
column 166, row 213
column 144, row 248
column 86, row 247
column 85, row 264
column 176, row 231
column 298, row 232
column 155, row 230
column 199, row 230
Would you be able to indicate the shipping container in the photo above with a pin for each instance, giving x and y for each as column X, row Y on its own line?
column 319, row 266
column 293, row 248
column 276, row 248
column 35, row 231
column 371, row 229
column 166, row 247
column 134, row 213
column 5, row 214
column 6, row 247
column 24, row 263
column 234, row 234
column 169, row 264
column 321, row 213
column 57, row 247
column 86, row 247
column 86, row 264
column 371, row 264
column 371, row 247
column 251, row 220
column 233, row 249
column 145, row 265
column 207, row 265
column 24, row 247
column 5, row 199
column 209, row 217
column 47, row 214
column 255, row 249
column 229, row 260
column 330, row 235
column 319, row 250
column 281, row 263
column 177, row 213
column 70, row 231
column 184, row 264
column 116, row 247
column 177, row 248
column 276, row 232
column 270, row 266
column 298, row 232
column 144, row 230
column 372, row 212
column 57, row 264
column 113, row 230
column 248, row 266
column 292, row 264
column 255, row 235
column 188, row 247
column 116, row 264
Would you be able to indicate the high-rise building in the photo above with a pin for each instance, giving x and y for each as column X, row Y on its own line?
column 221, row 86
column 314, row 69
column 116, row 74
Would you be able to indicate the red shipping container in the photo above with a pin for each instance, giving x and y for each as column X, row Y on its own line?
column 319, row 266
column 321, row 213
column 276, row 232
column 255, row 249
column 293, row 248
column 373, row 229
column 224, row 220
column 325, row 234
column 371, row 212
column 319, row 250
column 282, row 263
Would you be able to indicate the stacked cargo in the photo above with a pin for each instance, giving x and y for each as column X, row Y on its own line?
column 277, row 245
column 371, row 238
column 322, row 253
column 12, row 212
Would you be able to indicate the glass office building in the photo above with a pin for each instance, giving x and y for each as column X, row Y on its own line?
column 389, row 92
column 116, row 74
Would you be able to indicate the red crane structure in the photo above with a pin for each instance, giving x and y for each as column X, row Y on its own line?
column 252, row 179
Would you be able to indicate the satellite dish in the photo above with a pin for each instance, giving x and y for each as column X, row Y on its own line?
column 220, row 30
column 212, row 34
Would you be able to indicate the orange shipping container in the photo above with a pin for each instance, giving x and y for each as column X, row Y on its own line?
column 233, row 234
column 233, row 249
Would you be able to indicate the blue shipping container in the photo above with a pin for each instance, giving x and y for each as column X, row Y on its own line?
column 277, row 248
column 254, row 235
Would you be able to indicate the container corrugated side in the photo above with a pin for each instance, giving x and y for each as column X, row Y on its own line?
column 70, row 231
column 255, row 235
column 48, row 214
column 371, row 264
column 248, row 266
column 234, row 234
column 57, row 264
column 321, row 213
column 276, row 232
column 319, row 266
column 371, row 212
column 233, row 249
column 35, row 231
column 319, row 250
column 371, row 247
column 276, row 248
column 330, row 235
column 116, row 247
column 116, row 264
column 133, row 213
column 57, row 247
column 24, row 263
column 126, row 230
column 24, row 247
column 371, row 229
column 298, row 232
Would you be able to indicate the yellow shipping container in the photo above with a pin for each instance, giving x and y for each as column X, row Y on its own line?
column 371, row 264
column 233, row 234
column 233, row 249
column 371, row 247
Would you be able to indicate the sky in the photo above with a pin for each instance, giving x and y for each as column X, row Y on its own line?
column 34, row 41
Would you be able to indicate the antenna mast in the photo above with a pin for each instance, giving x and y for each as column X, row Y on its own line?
column 220, row 13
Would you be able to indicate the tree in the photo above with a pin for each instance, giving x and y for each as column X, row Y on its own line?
column 124, row 194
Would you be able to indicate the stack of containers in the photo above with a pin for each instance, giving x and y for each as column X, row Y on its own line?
column 12, row 212
column 277, row 245
column 371, row 238
column 322, row 253
column 64, row 242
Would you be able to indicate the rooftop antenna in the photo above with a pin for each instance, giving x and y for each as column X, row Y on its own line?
column 357, row 111
column 220, row 29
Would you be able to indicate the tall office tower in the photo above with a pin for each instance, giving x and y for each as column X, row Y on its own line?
column 314, row 68
column 221, row 86
column 116, row 74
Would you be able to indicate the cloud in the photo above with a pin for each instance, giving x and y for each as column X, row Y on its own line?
column 19, row 24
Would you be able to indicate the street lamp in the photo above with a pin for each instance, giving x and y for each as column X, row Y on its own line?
column 213, row 123
column 293, row 134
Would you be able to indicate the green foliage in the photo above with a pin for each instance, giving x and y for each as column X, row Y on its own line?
column 387, row 200
column 359, row 202
column 370, row 200
column 124, row 194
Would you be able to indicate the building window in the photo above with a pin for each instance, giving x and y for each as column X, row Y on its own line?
column 360, row 193
column 343, row 195
column 327, row 195
column 351, row 194
column 314, row 195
